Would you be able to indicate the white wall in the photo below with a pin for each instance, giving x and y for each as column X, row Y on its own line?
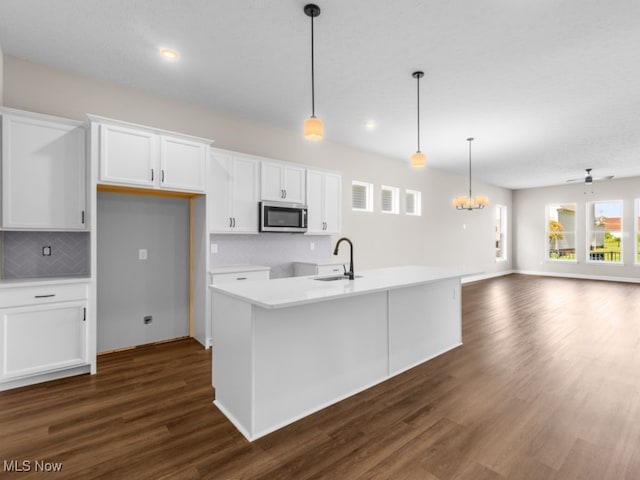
column 1, row 76
column 530, row 237
column 129, row 288
column 439, row 237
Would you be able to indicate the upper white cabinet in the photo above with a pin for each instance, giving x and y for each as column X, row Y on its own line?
column 233, row 193
column 43, row 172
column 283, row 182
column 143, row 157
column 324, row 202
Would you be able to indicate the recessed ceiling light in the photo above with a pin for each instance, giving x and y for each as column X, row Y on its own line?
column 370, row 124
column 169, row 54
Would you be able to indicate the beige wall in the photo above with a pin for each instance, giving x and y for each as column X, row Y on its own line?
column 442, row 236
column 530, row 235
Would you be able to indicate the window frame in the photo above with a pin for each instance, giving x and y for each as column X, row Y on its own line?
column 636, row 237
column 589, row 231
column 504, row 233
column 395, row 199
column 368, row 196
column 547, row 232
column 417, row 202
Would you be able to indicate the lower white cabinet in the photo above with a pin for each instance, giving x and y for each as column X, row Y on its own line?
column 318, row 268
column 43, row 330
column 239, row 273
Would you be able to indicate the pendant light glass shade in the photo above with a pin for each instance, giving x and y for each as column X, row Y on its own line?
column 313, row 127
column 465, row 202
column 418, row 159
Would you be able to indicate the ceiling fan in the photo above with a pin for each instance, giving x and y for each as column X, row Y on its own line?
column 588, row 178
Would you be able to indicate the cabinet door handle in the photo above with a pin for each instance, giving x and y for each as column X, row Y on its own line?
column 46, row 296
column 241, row 278
column 152, row 175
column 234, row 222
column 84, row 314
column 285, row 193
column 82, row 217
column 162, row 180
column 230, row 222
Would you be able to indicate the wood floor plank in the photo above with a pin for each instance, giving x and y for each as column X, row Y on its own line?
column 544, row 386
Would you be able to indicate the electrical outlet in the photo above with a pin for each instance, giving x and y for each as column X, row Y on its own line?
column 46, row 251
column 312, row 246
column 148, row 319
column 142, row 254
column 214, row 248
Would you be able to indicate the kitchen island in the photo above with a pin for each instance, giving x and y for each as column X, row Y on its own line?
column 285, row 348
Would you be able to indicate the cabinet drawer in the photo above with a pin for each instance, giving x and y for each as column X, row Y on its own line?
column 239, row 276
column 330, row 269
column 12, row 297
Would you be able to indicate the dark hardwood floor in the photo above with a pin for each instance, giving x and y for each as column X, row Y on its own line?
column 546, row 386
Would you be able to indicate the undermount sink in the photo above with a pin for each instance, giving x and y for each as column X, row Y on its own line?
column 337, row 277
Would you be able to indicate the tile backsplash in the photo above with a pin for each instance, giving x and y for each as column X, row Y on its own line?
column 22, row 254
column 275, row 250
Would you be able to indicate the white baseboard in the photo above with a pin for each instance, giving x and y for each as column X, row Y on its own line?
column 579, row 275
column 485, row 276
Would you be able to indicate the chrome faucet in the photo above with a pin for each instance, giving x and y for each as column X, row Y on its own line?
column 350, row 273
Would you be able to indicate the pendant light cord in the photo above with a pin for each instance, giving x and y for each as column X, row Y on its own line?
column 313, row 94
column 418, row 83
column 469, row 140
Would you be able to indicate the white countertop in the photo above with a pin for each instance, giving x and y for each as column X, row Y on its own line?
column 238, row 268
column 292, row 291
column 34, row 282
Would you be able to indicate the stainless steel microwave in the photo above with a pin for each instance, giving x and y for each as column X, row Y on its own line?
column 283, row 217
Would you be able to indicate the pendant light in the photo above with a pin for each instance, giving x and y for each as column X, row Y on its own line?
column 470, row 203
column 418, row 159
column 313, row 128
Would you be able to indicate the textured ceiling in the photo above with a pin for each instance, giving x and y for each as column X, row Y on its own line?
column 547, row 87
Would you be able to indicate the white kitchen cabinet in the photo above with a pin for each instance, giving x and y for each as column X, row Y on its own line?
column 138, row 156
column 283, row 182
column 239, row 273
column 233, row 193
column 43, row 333
column 324, row 202
column 318, row 268
column 43, row 172
column 182, row 164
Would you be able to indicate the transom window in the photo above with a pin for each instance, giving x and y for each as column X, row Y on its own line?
column 561, row 232
column 389, row 199
column 413, row 202
column 361, row 196
column 604, row 231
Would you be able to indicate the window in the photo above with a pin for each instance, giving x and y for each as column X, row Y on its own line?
column 637, row 222
column 413, row 202
column 604, row 231
column 361, row 196
column 561, row 232
column 501, row 232
column 389, row 199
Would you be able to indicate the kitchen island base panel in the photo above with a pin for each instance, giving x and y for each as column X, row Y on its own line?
column 274, row 366
column 422, row 323
column 316, row 354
